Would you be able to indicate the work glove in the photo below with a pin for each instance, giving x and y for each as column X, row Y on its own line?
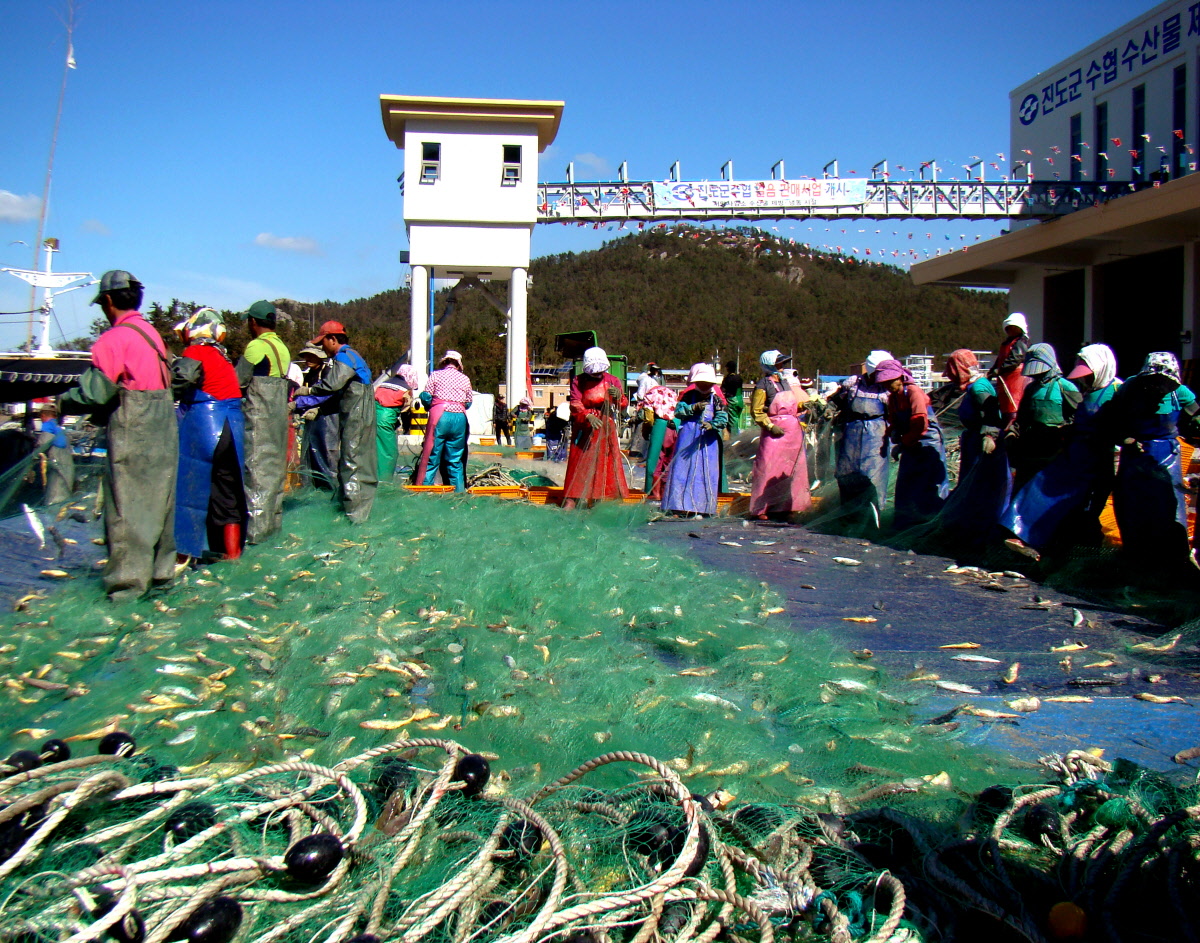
column 698, row 409
column 309, row 414
column 706, row 425
column 988, row 445
column 594, row 421
column 774, row 432
column 304, row 391
column 612, row 393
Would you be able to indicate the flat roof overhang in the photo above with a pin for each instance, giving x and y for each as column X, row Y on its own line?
column 399, row 109
column 1134, row 224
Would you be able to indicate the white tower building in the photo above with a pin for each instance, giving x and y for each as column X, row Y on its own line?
column 470, row 201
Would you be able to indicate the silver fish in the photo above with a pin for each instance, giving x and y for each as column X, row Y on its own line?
column 192, row 715
column 713, row 699
column 35, row 525
column 233, row 622
column 173, row 669
column 847, row 561
column 182, row 692
column 957, row 688
column 980, row 659
column 186, row 737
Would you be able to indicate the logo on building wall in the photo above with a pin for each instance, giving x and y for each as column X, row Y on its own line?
column 1029, row 109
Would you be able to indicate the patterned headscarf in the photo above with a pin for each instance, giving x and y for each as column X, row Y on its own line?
column 1041, row 362
column 1163, row 362
column 1100, row 359
column 890, row 370
column 962, row 367
column 662, row 400
column 595, row 361
column 408, row 373
column 204, row 326
column 768, row 362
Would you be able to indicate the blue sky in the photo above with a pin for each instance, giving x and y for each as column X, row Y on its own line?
column 225, row 152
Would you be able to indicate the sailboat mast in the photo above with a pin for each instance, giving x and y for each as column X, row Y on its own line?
column 68, row 64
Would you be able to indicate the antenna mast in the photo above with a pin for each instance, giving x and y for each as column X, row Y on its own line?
column 68, row 64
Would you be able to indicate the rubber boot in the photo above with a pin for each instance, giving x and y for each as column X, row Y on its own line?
column 233, row 541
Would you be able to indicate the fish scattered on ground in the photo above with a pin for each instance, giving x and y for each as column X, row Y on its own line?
column 980, row 659
column 859, row 619
column 956, row 687
column 961, row 645
column 1160, row 698
column 1157, row 646
column 847, row 561
column 1069, row 699
column 1026, row 705
column 1014, row 670
column 1183, row 756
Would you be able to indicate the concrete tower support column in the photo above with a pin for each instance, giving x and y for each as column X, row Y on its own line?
column 419, row 320
column 517, row 347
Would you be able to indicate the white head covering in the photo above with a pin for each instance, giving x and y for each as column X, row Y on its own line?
column 452, row 355
column 1102, row 362
column 1017, row 319
column 702, row 373
column 768, row 360
column 595, row 361
column 876, row 357
column 563, row 410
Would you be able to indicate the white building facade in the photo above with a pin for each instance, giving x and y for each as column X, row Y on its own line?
column 1117, row 125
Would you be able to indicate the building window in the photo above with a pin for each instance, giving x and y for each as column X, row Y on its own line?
column 1179, row 154
column 431, row 162
column 1138, row 144
column 1076, row 148
column 1102, row 143
column 510, row 175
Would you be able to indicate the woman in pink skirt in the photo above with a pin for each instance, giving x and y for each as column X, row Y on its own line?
column 780, row 467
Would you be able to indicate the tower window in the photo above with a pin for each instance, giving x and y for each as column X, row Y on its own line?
column 431, row 162
column 510, row 174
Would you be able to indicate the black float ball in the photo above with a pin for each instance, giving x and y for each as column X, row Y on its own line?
column 473, row 770
column 665, row 856
column 364, row 938
column 311, row 860
column 55, row 751
column 214, row 921
column 760, row 819
column 648, row 832
column 117, row 743
column 704, row 802
column 990, row 803
column 23, row 761
column 391, row 774
column 523, row 839
column 131, row 928
column 1039, row 821
column 190, row 819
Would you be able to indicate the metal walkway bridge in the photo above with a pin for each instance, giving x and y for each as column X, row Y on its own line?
column 828, row 198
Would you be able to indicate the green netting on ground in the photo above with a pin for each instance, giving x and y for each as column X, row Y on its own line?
column 304, row 690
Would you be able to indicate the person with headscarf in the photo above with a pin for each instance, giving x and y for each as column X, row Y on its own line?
column 210, row 497
column 916, row 435
column 595, row 465
column 318, row 414
column 392, row 397
column 862, row 447
column 447, row 395
column 694, row 476
column 523, row 424
column 262, row 372
column 648, row 380
column 1149, row 498
column 659, row 403
column 984, row 476
column 1007, row 370
column 1075, row 486
column 780, row 472
column 59, row 461
column 1047, row 407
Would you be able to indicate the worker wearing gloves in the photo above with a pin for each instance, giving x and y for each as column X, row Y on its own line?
column 780, row 472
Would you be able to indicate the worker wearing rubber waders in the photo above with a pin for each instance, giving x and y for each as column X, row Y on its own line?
column 348, row 378
column 262, row 373
column 128, row 388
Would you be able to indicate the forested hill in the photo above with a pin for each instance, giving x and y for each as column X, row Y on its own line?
column 677, row 296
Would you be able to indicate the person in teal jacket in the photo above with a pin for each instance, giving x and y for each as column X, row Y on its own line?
column 1047, row 407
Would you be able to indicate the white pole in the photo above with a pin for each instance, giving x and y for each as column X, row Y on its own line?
column 517, row 325
column 47, row 301
column 418, row 320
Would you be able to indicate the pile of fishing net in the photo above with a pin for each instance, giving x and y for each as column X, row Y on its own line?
column 416, row 839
